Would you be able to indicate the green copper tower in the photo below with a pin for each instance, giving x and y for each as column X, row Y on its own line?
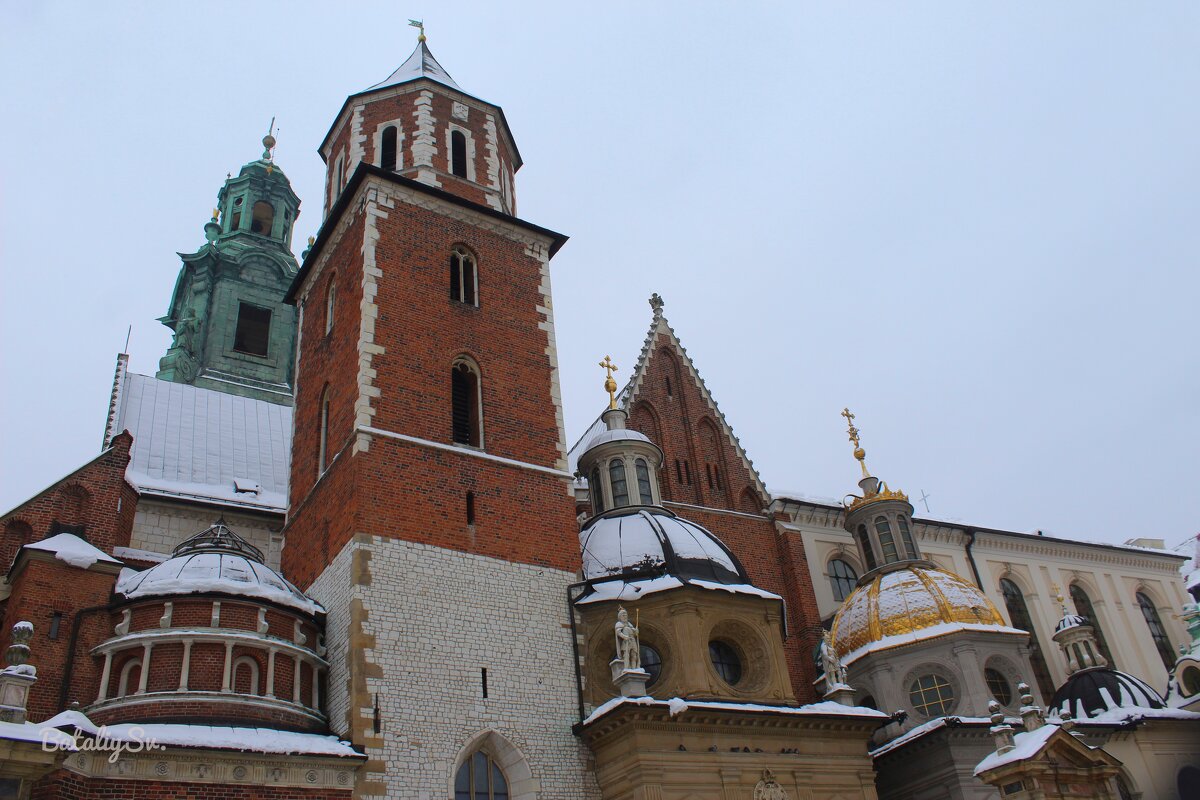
column 233, row 332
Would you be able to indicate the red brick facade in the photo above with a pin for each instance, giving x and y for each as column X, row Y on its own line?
column 702, row 467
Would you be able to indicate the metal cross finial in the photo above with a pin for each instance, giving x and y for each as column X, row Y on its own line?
column 859, row 453
column 925, row 500
column 420, row 24
column 610, row 385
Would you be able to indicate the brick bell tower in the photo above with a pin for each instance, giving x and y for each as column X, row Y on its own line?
column 431, row 508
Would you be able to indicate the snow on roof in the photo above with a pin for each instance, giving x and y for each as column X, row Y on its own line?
column 1027, row 744
column 41, row 732
column 226, row 573
column 632, row 590
column 678, row 706
column 1121, row 716
column 252, row 740
column 421, row 64
column 922, row 634
column 197, row 443
column 69, row 548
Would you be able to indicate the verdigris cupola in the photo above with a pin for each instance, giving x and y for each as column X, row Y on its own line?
column 881, row 518
column 233, row 332
column 621, row 465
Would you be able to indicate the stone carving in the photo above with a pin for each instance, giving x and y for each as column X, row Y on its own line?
column 122, row 627
column 263, row 627
column 186, row 330
column 629, row 650
column 768, row 788
column 835, row 671
column 165, row 620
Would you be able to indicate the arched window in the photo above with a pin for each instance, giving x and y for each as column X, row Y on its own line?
column 640, row 468
column 887, row 544
column 263, row 218
column 387, row 147
column 131, row 675
column 464, row 281
column 330, row 302
column 245, row 675
column 616, row 481
column 1018, row 613
column 458, row 154
column 1084, row 608
column 323, row 438
column 842, row 578
column 596, row 491
column 466, row 410
column 906, row 537
column 1157, row 632
column 864, row 544
column 480, row 778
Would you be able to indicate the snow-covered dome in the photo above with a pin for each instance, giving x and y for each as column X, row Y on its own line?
column 913, row 603
column 215, row 560
column 652, row 540
column 1070, row 621
column 1093, row 692
column 617, row 434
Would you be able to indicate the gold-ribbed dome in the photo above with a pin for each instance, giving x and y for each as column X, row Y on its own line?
column 911, row 603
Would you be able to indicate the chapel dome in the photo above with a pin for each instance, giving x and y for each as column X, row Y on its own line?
column 1070, row 621
column 219, row 561
column 915, row 602
column 616, row 434
column 636, row 539
column 1092, row 692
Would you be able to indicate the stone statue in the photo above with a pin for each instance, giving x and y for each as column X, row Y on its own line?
column 629, row 648
column 835, row 672
column 185, row 332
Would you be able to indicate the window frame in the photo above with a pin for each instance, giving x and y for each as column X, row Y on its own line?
column 1161, row 639
column 467, row 365
column 462, row 290
column 835, row 579
column 237, row 329
column 492, row 768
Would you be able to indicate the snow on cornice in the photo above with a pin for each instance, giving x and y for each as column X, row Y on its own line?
column 679, row 706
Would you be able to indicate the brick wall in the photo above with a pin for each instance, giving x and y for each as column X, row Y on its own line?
column 64, row 785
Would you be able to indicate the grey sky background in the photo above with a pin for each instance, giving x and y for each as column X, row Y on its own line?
column 975, row 224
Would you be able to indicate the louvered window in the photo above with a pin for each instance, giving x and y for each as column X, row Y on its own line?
column 465, row 404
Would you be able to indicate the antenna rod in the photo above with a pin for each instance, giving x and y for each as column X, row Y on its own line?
column 128, row 331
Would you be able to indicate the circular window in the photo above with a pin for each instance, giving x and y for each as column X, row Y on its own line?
column 998, row 685
column 1191, row 680
column 932, row 695
column 651, row 662
column 725, row 661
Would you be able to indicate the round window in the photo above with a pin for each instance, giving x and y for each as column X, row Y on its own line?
column 932, row 695
column 651, row 662
column 998, row 685
column 725, row 661
column 1191, row 680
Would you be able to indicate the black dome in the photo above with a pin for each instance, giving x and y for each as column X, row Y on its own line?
column 1092, row 692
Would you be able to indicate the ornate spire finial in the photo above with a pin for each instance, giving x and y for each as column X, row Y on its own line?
column 859, row 453
column 419, row 24
column 656, row 303
column 610, row 385
column 269, row 141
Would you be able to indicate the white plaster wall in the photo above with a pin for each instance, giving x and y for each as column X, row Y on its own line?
column 159, row 526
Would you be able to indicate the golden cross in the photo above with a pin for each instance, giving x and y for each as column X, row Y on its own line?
column 859, row 453
column 610, row 385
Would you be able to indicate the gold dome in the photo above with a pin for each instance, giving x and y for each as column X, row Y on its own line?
column 911, row 603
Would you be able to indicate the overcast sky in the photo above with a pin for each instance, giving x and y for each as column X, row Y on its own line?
column 974, row 224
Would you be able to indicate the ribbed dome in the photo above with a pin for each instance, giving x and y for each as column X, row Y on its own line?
column 641, row 540
column 1093, row 692
column 916, row 602
column 215, row 560
column 1070, row 621
column 617, row 434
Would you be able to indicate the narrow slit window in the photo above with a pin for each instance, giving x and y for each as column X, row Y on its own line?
column 253, row 333
column 387, row 158
column 708, row 471
column 687, row 473
column 643, row 481
column 887, row 544
column 596, row 492
column 483, row 681
column 465, row 411
column 616, row 479
column 717, row 475
column 907, row 538
column 678, row 471
column 330, row 303
column 323, row 439
column 470, row 508
column 55, row 624
column 458, row 154
column 463, row 277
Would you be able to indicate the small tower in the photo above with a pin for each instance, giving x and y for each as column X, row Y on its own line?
column 233, row 332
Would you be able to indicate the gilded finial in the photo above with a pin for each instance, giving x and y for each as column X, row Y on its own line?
column 610, row 385
column 269, row 141
column 859, row 453
column 216, row 213
column 420, row 25
column 312, row 240
column 1058, row 595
